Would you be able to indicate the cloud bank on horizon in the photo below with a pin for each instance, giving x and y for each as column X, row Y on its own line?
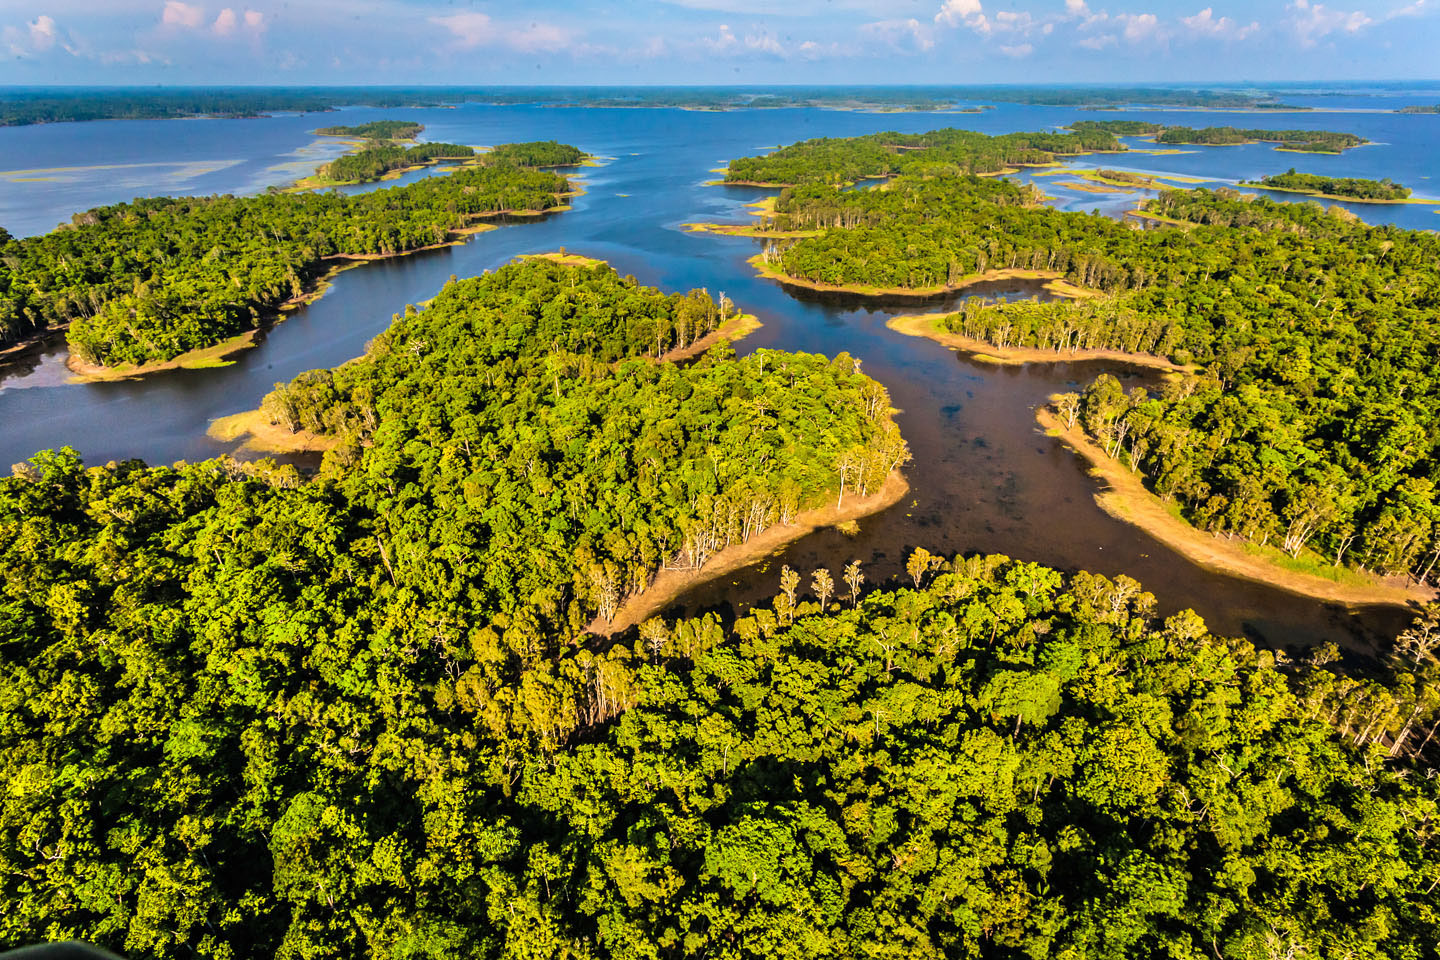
column 713, row 41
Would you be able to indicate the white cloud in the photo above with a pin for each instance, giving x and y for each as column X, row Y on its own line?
column 470, row 29
column 1019, row 22
column 473, row 29
column 177, row 14
column 1098, row 41
column 1206, row 24
column 723, row 42
column 254, row 19
column 225, row 22
column 907, row 34
column 1140, row 27
column 43, row 33
column 1018, row 51
column 539, row 38
column 968, row 13
column 1313, row 22
column 1076, row 8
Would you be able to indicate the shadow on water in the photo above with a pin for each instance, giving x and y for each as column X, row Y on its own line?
column 983, row 478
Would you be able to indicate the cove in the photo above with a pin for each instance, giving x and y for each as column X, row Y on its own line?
column 983, row 478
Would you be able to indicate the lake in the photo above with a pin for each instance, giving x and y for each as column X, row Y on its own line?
column 983, row 478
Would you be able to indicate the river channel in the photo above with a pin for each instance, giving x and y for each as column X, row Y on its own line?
column 983, row 479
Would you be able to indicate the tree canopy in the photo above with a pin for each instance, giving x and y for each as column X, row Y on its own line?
column 1311, row 422
column 152, row 279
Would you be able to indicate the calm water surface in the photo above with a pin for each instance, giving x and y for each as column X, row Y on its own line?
column 983, row 478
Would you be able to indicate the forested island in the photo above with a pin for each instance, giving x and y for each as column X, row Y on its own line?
column 1309, row 423
column 1336, row 188
column 1420, row 108
column 380, row 159
column 848, row 159
column 374, row 162
column 145, row 282
column 1299, row 141
column 377, row 130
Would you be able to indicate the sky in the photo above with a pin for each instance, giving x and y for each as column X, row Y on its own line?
column 714, row 41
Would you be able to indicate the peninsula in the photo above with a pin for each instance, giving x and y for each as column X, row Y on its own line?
column 204, row 271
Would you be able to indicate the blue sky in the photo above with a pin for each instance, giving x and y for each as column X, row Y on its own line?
column 714, row 41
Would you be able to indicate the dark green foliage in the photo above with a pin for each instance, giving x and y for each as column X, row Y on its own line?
column 374, row 162
column 536, row 153
column 152, row 279
column 228, row 733
column 1308, row 141
column 1355, row 187
column 1313, row 423
column 1119, row 128
column 377, row 130
column 1313, row 141
column 841, row 160
column 513, row 413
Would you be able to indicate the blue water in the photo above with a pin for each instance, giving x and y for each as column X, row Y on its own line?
column 982, row 474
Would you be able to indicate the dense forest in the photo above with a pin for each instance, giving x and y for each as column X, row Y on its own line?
column 1308, row 141
column 377, row 130
column 847, row 159
column 1311, row 423
column 1305, row 141
column 1352, row 187
column 537, row 153
column 244, row 719
column 152, row 279
column 374, row 162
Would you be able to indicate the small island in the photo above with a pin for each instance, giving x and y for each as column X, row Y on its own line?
column 1420, row 108
column 387, row 160
column 377, row 130
column 1334, row 188
column 1294, row 141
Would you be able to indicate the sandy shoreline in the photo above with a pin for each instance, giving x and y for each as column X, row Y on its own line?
column 1126, row 498
column 925, row 325
column 221, row 354
column 1055, row 283
column 669, row 585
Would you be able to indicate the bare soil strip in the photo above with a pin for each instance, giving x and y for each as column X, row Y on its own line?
column 669, row 585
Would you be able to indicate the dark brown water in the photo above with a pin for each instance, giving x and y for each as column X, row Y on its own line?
column 983, row 478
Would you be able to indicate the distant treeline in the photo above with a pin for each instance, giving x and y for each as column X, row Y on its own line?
column 149, row 280
column 377, row 130
column 1357, row 187
column 1309, row 141
column 1420, row 108
column 56, row 104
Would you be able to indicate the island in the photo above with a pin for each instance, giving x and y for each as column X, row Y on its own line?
column 851, row 159
column 387, row 161
column 1420, row 108
column 376, row 130
column 1271, row 438
column 166, row 282
column 1295, row 141
column 1334, row 188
